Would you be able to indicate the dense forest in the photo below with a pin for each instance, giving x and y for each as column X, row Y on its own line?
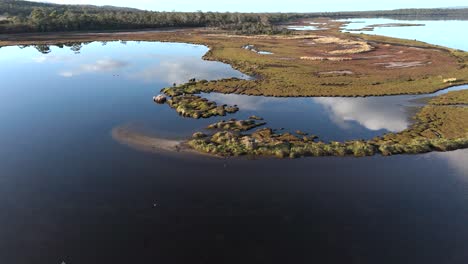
column 23, row 16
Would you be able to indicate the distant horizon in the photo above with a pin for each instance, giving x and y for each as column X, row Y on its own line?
column 292, row 6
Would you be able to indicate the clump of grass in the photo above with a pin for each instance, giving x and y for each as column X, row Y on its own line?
column 360, row 148
column 194, row 106
column 186, row 88
column 451, row 98
column 254, row 117
column 236, row 125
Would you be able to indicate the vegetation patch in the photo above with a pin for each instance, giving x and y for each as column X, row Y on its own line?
column 185, row 101
column 254, row 117
column 236, row 125
column 451, row 98
column 194, row 106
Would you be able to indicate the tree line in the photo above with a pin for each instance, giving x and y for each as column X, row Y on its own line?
column 23, row 16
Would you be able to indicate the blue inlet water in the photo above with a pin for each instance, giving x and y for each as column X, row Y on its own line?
column 448, row 33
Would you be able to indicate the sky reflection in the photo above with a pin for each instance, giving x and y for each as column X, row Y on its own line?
column 101, row 65
column 440, row 32
column 372, row 113
column 156, row 65
column 180, row 70
column 152, row 62
column 457, row 160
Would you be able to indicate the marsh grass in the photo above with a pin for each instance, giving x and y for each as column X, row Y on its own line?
column 189, row 105
column 451, row 98
column 236, row 125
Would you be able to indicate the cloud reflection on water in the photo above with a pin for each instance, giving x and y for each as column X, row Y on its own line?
column 457, row 160
column 102, row 65
column 180, row 70
column 51, row 58
column 372, row 113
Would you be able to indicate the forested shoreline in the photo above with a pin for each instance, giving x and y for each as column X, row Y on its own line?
column 23, row 16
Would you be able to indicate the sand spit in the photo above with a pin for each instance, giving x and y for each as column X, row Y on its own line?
column 129, row 135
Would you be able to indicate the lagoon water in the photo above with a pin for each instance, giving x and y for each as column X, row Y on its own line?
column 446, row 33
column 70, row 193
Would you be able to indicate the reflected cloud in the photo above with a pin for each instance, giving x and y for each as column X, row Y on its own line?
column 103, row 65
column 244, row 102
column 181, row 70
column 50, row 58
column 457, row 160
column 372, row 113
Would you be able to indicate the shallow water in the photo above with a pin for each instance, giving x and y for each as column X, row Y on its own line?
column 331, row 118
column 446, row 33
column 312, row 26
column 254, row 49
column 70, row 193
column 303, row 28
column 115, row 83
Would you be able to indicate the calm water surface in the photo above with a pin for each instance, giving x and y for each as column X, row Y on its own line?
column 447, row 33
column 70, row 193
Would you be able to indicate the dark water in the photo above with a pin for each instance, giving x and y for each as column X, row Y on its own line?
column 70, row 193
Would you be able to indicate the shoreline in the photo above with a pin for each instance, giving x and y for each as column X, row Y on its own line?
column 438, row 128
column 295, row 77
column 285, row 73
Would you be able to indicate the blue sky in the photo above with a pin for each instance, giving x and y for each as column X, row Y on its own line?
column 268, row 5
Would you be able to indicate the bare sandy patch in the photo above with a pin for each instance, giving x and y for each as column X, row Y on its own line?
column 130, row 136
column 344, row 72
column 403, row 64
column 348, row 46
